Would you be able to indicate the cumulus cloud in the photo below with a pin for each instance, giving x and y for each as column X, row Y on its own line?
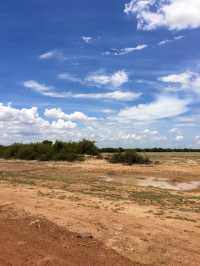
column 187, row 80
column 53, row 54
column 28, row 124
column 162, row 107
column 57, row 113
column 172, row 14
column 25, row 122
column 8, row 113
column 61, row 124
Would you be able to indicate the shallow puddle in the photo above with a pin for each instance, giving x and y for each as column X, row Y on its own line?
column 166, row 184
column 155, row 182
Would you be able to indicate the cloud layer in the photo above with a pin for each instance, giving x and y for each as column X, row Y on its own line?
column 187, row 80
column 128, row 50
column 162, row 107
column 53, row 54
column 27, row 124
column 115, row 79
column 117, row 95
column 172, row 14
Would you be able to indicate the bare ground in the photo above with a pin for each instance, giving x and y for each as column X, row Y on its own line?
column 28, row 241
column 145, row 225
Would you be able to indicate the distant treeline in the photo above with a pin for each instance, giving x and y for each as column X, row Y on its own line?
column 116, row 150
column 71, row 151
column 68, row 151
column 49, row 151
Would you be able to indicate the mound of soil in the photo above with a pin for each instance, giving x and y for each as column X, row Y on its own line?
column 30, row 241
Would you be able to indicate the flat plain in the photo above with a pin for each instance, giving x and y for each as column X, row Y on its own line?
column 147, row 214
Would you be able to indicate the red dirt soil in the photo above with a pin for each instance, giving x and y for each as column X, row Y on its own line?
column 29, row 241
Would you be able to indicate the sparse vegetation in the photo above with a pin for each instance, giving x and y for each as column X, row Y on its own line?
column 129, row 157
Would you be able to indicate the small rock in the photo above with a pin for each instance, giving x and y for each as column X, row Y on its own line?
column 85, row 235
column 35, row 223
column 21, row 243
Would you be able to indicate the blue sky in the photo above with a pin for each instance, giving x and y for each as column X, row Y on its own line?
column 121, row 72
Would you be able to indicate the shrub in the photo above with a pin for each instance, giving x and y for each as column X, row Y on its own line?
column 129, row 157
column 87, row 147
column 70, row 157
column 10, row 151
column 48, row 151
column 26, row 152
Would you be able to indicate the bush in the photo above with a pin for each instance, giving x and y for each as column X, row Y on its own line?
column 87, row 147
column 48, row 151
column 26, row 152
column 129, row 157
column 70, row 157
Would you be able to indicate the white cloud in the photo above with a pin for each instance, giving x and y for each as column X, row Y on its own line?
column 115, row 79
column 106, row 53
column 53, row 54
column 115, row 95
column 189, row 120
column 172, row 14
column 182, row 78
column 70, row 77
column 107, row 111
column 187, row 80
column 197, row 140
column 176, row 38
column 174, row 130
column 179, row 138
column 151, row 132
column 164, row 42
column 22, row 124
column 49, row 91
column 57, row 113
column 87, row 39
column 30, row 124
column 61, row 124
column 8, row 113
column 162, row 107
column 180, row 37
column 128, row 50
column 44, row 89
